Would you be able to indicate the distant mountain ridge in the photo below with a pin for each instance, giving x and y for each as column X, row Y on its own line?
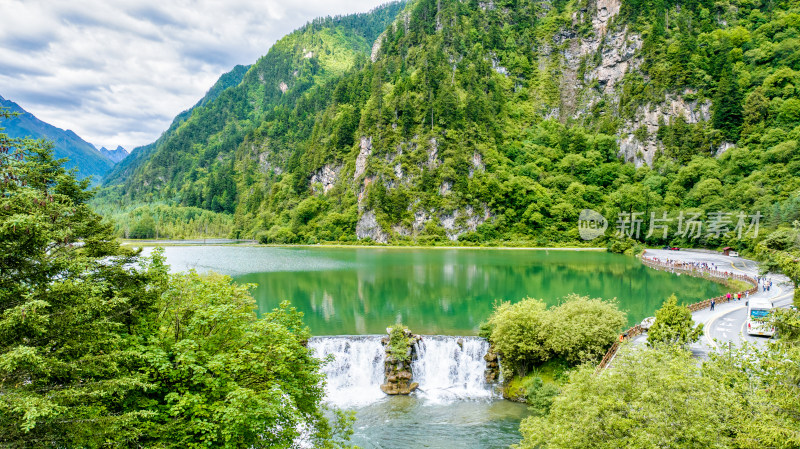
column 81, row 154
column 116, row 155
column 313, row 55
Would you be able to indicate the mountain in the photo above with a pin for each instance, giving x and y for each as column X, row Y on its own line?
column 314, row 54
column 500, row 121
column 81, row 154
column 116, row 155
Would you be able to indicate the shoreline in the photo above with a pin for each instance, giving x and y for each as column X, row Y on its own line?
column 152, row 243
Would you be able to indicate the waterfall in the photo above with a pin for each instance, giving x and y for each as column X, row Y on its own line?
column 355, row 374
column 447, row 371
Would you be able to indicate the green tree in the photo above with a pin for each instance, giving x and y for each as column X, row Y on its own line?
column 520, row 333
column 584, row 328
column 674, row 325
column 727, row 115
column 650, row 398
column 224, row 377
column 527, row 333
column 780, row 252
column 74, row 306
column 100, row 347
column 767, row 381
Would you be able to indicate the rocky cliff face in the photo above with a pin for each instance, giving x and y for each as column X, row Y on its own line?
column 590, row 57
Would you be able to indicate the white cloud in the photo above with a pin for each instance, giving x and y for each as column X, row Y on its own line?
column 117, row 71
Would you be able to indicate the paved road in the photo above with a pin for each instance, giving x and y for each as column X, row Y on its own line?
column 727, row 323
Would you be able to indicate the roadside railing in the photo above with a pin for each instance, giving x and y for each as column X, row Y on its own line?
column 691, row 270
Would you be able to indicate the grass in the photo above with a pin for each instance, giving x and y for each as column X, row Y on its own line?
column 735, row 285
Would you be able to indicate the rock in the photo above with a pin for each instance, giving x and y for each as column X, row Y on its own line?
column 651, row 117
column 492, row 373
column 433, row 153
column 397, row 373
column 368, row 227
column 363, row 155
column 725, row 146
column 326, row 176
column 376, row 47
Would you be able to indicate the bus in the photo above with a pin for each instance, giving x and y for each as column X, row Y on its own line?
column 757, row 312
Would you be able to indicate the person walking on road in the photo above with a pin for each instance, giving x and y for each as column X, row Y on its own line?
column 712, row 304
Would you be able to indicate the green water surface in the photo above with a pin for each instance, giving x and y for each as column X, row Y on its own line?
column 433, row 291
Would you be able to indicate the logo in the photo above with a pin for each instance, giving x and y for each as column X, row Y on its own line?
column 591, row 224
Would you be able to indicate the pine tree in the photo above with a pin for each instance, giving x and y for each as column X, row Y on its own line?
column 727, row 116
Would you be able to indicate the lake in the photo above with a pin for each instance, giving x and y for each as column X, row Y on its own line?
column 348, row 290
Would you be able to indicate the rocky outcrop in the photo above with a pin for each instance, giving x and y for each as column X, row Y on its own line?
column 462, row 221
column 363, row 156
column 376, row 47
column 433, row 153
column 605, row 11
column 616, row 58
column 492, row 366
column 368, row 227
column 397, row 370
column 326, row 177
column 642, row 149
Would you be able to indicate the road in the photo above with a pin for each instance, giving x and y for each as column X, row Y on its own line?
column 726, row 324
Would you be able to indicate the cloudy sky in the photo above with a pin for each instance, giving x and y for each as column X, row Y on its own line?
column 118, row 71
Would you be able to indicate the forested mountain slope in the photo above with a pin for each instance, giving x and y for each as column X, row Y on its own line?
column 140, row 154
column 193, row 160
column 500, row 121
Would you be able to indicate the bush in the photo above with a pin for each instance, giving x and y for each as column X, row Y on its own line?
column 399, row 341
column 527, row 333
column 673, row 325
column 520, row 333
column 584, row 327
column 539, row 395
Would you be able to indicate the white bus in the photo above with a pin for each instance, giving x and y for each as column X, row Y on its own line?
column 757, row 310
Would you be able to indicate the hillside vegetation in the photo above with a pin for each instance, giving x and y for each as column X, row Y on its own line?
column 499, row 122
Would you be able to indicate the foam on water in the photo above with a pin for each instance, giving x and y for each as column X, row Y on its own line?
column 447, row 371
column 355, row 374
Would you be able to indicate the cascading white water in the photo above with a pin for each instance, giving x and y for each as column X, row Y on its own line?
column 355, row 374
column 448, row 371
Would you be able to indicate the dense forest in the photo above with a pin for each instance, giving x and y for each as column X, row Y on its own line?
column 481, row 123
column 101, row 347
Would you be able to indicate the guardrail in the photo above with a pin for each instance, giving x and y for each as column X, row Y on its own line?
column 691, row 270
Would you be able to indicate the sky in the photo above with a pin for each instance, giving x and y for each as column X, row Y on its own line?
column 117, row 72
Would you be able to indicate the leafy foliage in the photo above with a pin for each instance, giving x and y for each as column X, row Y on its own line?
column 651, row 398
column 100, row 347
column 399, row 342
column 580, row 329
column 674, row 325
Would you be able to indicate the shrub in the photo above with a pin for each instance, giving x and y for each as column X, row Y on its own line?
column 583, row 328
column 527, row 333
column 399, row 342
column 673, row 325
